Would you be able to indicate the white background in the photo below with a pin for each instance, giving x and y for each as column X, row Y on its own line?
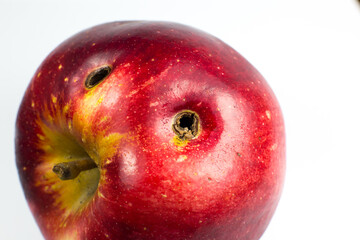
column 309, row 52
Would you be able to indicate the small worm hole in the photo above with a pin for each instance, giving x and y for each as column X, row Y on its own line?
column 97, row 76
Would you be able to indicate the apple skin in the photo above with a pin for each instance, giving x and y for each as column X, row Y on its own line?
column 223, row 184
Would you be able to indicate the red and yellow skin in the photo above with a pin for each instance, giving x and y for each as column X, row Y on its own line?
column 224, row 183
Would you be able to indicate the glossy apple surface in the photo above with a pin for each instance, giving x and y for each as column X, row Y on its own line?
column 186, row 136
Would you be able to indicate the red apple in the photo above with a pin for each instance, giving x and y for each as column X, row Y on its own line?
column 149, row 130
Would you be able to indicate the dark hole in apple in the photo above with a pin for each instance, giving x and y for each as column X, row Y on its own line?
column 186, row 124
column 97, row 76
column 186, row 121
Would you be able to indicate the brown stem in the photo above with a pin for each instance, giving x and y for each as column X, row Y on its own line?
column 70, row 170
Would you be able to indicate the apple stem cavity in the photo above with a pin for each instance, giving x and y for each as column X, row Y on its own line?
column 70, row 170
column 186, row 125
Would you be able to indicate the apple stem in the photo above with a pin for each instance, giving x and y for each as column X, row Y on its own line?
column 70, row 170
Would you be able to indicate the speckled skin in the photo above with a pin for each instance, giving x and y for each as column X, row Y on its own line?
column 224, row 185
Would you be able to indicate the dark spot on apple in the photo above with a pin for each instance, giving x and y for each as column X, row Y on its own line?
column 97, row 76
column 186, row 121
column 186, row 124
